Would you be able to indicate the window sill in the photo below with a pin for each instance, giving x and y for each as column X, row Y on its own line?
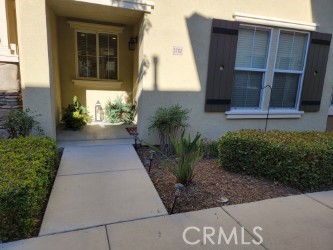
column 96, row 83
column 259, row 114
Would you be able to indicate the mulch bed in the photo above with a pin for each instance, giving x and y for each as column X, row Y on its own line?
column 132, row 130
column 209, row 184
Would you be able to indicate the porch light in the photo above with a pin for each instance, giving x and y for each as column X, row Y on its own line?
column 99, row 113
column 132, row 42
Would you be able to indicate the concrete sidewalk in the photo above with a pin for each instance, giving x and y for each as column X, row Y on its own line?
column 300, row 222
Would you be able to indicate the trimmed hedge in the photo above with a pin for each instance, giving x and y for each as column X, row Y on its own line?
column 27, row 170
column 301, row 159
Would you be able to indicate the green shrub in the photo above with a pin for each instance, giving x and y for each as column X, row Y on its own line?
column 301, row 159
column 187, row 154
column 209, row 148
column 168, row 122
column 119, row 111
column 76, row 116
column 27, row 167
column 21, row 123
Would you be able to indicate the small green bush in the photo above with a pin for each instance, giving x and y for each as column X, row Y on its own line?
column 21, row 123
column 209, row 148
column 119, row 111
column 27, row 167
column 301, row 159
column 168, row 122
column 187, row 154
column 76, row 116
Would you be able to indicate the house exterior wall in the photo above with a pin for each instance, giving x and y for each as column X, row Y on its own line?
column 53, row 33
column 89, row 95
column 171, row 79
column 37, row 78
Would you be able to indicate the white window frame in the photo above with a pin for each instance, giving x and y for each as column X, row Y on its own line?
column 264, row 71
column 97, row 55
column 300, row 72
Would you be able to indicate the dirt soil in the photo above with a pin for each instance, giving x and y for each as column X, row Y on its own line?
column 210, row 183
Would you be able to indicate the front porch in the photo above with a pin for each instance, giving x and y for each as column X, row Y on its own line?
column 88, row 49
column 95, row 134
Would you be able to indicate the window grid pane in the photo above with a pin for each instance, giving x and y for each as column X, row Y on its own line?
column 252, row 52
column 246, row 90
column 290, row 57
column 252, row 48
column 108, row 56
column 284, row 92
column 86, row 45
column 291, row 51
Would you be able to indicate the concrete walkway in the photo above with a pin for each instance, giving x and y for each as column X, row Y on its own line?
column 301, row 222
column 103, row 199
column 99, row 185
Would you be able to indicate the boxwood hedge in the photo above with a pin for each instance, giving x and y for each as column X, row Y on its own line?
column 300, row 159
column 27, row 170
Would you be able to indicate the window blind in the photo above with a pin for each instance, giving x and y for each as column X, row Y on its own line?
column 291, row 58
column 246, row 89
column 251, row 60
column 291, row 51
column 284, row 91
column 252, row 48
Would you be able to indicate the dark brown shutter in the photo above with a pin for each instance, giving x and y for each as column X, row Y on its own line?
column 315, row 71
column 222, row 56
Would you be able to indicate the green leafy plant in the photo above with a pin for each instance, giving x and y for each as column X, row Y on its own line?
column 168, row 122
column 75, row 115
column 28, row 167
column 21, row 123
column 301, row 159
column 209, row 148
column 119, row 111
column 187, row 153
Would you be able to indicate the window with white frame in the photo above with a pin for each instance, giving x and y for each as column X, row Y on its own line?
column 289, row 69
column 251, row 67
column 96, row 55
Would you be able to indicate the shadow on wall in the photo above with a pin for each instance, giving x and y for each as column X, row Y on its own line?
column 199, row 29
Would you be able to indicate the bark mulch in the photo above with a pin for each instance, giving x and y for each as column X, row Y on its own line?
column 209, row 184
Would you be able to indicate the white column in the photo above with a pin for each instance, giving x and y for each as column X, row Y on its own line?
column 4, row 45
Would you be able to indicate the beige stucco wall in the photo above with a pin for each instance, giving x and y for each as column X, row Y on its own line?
column 36, row 70
column 53, row 31
column 66, row 46
column 182, row 79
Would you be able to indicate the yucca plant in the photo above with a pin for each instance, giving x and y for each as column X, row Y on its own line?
column 187, row 154
column 119, row 111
